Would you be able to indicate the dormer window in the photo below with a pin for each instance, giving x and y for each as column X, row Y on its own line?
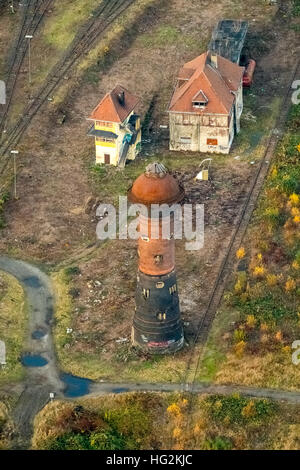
column 200, row 100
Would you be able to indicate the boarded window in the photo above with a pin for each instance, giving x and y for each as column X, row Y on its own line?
column 185, row 140
column 212, row 141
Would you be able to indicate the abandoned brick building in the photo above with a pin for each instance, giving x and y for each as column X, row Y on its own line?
column 207, row 104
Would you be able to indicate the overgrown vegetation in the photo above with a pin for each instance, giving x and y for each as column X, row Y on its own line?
column 4, row 197
column 13, row 325
column 6, row 425
column 266, row 296
column 136, row 421
column 296, row 8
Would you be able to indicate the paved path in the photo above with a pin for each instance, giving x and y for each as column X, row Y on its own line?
column 40, row 381
column 104, row 388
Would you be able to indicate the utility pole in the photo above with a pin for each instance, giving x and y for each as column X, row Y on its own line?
column 14, row 153
column 29, row 37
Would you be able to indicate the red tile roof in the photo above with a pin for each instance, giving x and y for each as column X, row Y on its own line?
column 217, row 85
column 112, row 109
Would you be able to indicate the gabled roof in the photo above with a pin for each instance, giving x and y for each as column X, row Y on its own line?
column 200, row 97
column 217, row 84
column 112, row 109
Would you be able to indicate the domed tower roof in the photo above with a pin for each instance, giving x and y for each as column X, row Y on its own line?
column 156, row 186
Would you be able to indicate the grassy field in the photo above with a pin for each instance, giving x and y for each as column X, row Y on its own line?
column 13, row 323
column 93, row 64
column 51, row 40
column 252, row 336
column 136, row 421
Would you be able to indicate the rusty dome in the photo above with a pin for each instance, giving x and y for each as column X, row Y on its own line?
column 156, row 186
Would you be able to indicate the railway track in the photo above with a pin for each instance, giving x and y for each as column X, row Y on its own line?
column 33, row 14
column 107, row 12
column 229, row 261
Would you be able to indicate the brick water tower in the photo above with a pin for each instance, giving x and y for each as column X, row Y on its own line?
column 157, row 325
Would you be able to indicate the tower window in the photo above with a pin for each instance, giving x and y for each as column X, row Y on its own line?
column 146, row 293
column 160, row 285
column 161, row 316
column 158, row 259
column 173, row 289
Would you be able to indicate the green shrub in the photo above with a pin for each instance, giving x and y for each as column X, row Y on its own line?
column 239, row 335
column 296, row 8
column 218, row 443
column 266, row 307
column 131, row 422
column 294, row 118
column 231, row 409
column 70, row 441
column 107, row 440
column 72, row 271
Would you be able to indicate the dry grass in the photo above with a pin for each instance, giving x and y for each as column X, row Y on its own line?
column 13, row 325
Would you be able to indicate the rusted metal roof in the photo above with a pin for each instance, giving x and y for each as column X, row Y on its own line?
column 156, row 186
column 228, row 39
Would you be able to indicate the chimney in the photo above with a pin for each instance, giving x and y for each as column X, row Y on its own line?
column 121, row 98
column 214, row 59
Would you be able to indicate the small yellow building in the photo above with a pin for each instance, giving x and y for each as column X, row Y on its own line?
column 116, row 128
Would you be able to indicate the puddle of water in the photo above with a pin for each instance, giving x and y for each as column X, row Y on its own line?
column 75, row 386
column 32, row 281
column 38, row 334
column 32, row 360
column 120, row 390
